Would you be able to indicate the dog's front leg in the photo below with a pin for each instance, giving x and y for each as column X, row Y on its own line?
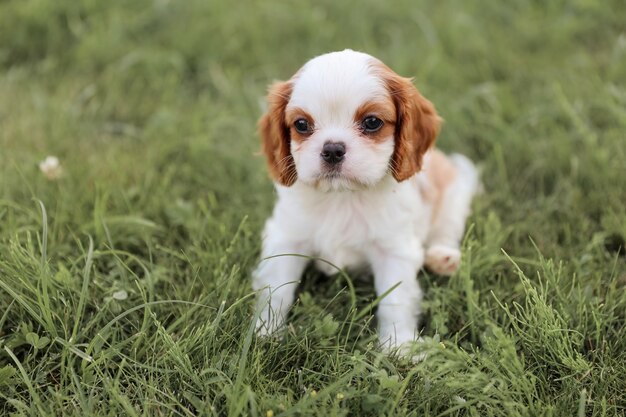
column 276, row 279
column 398, row 311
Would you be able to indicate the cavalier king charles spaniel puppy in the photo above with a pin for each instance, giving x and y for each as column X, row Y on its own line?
column 349, row 144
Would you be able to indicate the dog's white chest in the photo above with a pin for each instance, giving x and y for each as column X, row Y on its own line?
column 340, row 239
column 343, row 229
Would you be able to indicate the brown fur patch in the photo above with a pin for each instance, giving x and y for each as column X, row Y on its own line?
column 417, row 124
column 276, row 136
column 385, row 111
column 440, row 170
column 440, row 173
column 294, row 114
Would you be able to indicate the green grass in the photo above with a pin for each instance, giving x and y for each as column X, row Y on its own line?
column 125, row 285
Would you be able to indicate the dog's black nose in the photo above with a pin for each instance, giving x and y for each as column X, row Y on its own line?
column 333, row 152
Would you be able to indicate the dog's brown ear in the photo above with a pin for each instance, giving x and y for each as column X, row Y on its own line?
column 417, row 125
column 275, row 135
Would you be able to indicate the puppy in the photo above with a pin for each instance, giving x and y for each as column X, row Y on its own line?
column 349, row 144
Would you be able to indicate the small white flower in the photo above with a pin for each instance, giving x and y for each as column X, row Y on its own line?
column 459, row 399
column 120, row 295
column 51, row 168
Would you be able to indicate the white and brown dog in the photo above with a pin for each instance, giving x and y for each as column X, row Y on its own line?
column 349, row 144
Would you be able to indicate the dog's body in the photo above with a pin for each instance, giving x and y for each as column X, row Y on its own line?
column 349, row 145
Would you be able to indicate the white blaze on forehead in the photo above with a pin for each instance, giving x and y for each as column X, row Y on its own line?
column 331, row 87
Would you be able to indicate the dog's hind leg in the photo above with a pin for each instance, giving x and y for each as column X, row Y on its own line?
column 452, row 207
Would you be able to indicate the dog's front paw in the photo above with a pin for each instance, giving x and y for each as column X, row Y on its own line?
column 410, row 350
column 443, row 260
column 269, row 323
column 263, row 329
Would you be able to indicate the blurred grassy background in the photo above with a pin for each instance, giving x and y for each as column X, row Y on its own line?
column 111, row 291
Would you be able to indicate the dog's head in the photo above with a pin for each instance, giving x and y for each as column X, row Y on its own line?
column 345, row 121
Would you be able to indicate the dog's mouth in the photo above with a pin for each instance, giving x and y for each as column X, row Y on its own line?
column 335, row 179
column 331, row 172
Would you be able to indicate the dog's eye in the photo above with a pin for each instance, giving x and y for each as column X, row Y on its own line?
column 302, row 126
column 372, row 124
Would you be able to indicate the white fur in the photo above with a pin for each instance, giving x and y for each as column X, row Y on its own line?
column 363, row 217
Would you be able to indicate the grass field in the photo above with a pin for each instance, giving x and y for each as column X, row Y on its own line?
column 125, row 284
